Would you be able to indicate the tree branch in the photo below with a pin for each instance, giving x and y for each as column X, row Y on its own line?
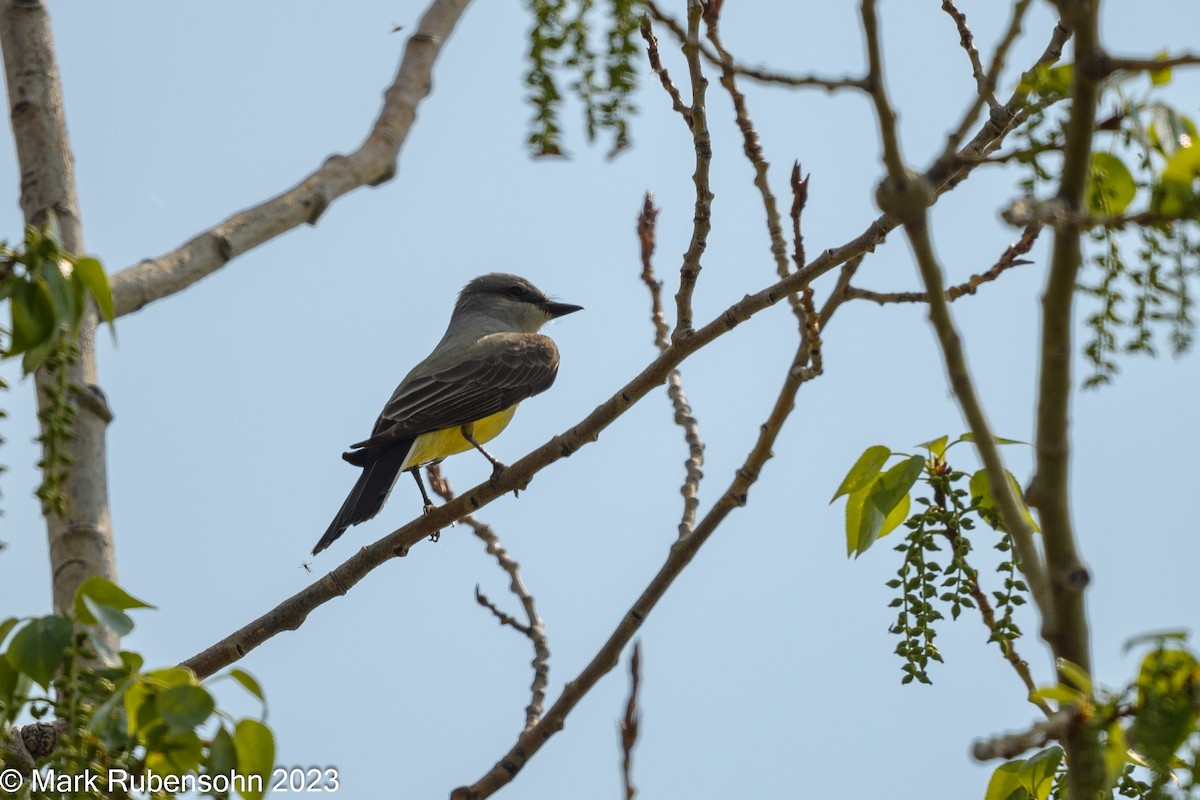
column 681, row 554
column 533, row 630
column 760, row 74
column 373, row 163
column 908, row 197
column 683, row 411
column 81, row 543
column 689, row 272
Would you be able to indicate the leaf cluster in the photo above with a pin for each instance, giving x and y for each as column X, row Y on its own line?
column 116, row 714
column 603, row 79
column 879, row 500
column 1147, row 176
column 48, row 291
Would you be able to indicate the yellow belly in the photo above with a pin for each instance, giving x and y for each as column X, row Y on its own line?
column 435, row 446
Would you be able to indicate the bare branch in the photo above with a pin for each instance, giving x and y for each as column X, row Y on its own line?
column 967, row 40
column 373, row 163
column 760, row 74
column 1110, row 64
column 535, row 631
column 1007, row 261
column 754, row 153
column 629, row 725
column 682, row 552
column 1011, row 745
column 661, row 71
column 683, row 410
column 689, row 272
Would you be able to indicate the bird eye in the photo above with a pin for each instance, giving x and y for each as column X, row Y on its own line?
column 516, row 291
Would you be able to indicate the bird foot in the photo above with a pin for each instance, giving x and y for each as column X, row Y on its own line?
column 497, row 469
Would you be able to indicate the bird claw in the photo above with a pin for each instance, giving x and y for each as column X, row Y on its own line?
column 497, row 469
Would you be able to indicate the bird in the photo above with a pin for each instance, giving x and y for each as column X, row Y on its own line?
column 461, row 396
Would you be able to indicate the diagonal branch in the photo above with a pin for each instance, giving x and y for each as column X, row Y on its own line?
column 681, row 554
column 373, row 163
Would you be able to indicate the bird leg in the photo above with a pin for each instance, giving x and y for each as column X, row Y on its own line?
column 468, row 432
column 429, row 506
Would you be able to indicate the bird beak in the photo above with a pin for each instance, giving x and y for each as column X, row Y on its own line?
column 559, row 309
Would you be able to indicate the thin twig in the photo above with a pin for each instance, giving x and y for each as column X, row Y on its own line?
column 967, row 40
column 689, row 272
column 664, row 78
column 987, row 94
column 534, row 630
column 983, row 605
column 760, row 74
column 1007, row 261
column 684, row 418
column 754, row 153
column 629, row 725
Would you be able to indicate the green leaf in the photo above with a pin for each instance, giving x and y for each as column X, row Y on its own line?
column 1184, row 166
column 33, row 318
column 981, row 487
column 1037, row 773
column 92, row 274
column 936, row 447
column 970, row 437
column 185, row 707
column 255, row 748
column 113, row 619
column 1116, row 752
column 140, row 709
column 222, row 758
column 106, row 593
column 39, row 648
column 865, row 470
column 881, row 498
column 896, row 517
column 1063, row 695
column 1005, row 783
column 248, row 683
column 1160, row 77
column 1166, row 712
column 1075, row 674
column 1111, row 187
column 9, row 677
column 6, row 628
column 67, row 305
column 175, row 755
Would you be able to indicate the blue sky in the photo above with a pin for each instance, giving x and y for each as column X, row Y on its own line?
column 768, row 669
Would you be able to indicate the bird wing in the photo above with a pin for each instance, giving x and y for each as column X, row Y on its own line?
column 503, row 372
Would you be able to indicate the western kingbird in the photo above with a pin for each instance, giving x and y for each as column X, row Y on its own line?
column 462, row 395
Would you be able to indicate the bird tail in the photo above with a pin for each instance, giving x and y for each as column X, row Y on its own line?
column 381, row 466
